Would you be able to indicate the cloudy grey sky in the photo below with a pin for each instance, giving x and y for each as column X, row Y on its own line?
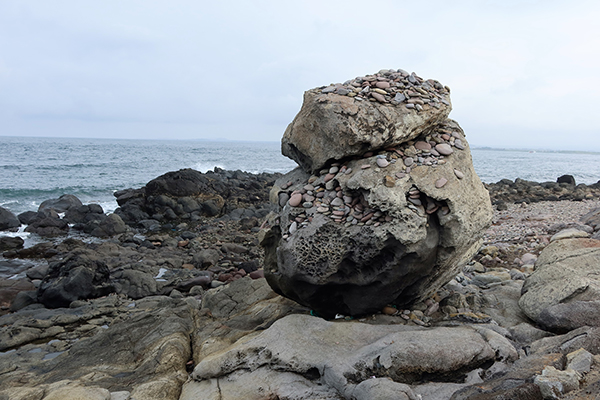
column 523, row 73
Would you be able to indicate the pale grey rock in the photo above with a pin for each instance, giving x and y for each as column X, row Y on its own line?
column 569, row 233
column 143, row 346
column 121, row 395
column 566, row 272
column 383, row 389
column 206, row 258
column 259, row 384
column 342, row 355
column 554, row 383
column 437, row 390
column 580, row 360
column 585, row 337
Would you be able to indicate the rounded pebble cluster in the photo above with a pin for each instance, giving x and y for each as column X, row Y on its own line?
column 324, row 193
column 394, row 87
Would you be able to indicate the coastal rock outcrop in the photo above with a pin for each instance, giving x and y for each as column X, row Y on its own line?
column 563, row 293
column 189, row 196
column 79, row 276
column 371, row 228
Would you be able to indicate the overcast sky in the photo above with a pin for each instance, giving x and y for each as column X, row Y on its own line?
column 523, row 73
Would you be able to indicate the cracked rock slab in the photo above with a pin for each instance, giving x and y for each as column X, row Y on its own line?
column 342, row 355
column 566, row 278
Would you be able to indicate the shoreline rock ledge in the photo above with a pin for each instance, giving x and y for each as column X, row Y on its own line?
column 385, row 207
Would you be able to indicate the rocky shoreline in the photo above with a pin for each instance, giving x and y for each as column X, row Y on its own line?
column 380, row 268
column 161, row 283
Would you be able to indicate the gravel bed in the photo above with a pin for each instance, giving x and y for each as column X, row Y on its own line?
column 536, row 222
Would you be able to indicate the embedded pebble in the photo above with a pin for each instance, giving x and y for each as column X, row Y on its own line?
column 389, row 181
column 293, row 228
column 420, row 145
column 459, row 174
column 337, row 202
column 283, row 199
column 365, row 166
column 441, row 182
column 382, row 162
column 295, row 200
column 408, row 161
column 399, row 97
column 333, row 170
column 378, row 97
column 444, row 149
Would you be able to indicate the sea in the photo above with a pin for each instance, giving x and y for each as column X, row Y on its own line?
column 34, row 169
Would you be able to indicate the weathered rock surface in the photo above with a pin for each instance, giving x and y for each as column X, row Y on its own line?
column 564, row 290
column 366, row 236
column 230, row 312
column 343, row 355
column 36, row 343
column 141, row 348
column 334, row 125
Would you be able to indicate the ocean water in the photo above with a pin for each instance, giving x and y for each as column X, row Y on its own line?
column 35, row 169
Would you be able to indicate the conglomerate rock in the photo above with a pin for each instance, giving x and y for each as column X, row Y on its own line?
column 364, row 114
column 387, row 226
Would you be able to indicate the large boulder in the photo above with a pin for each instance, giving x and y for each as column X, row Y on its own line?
column 563, row 293
column 48, row 223
column 110, row 226
column 62, row 204
column 390, row 227
column 8, row 220
column 364, row 114
column 78, row 276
